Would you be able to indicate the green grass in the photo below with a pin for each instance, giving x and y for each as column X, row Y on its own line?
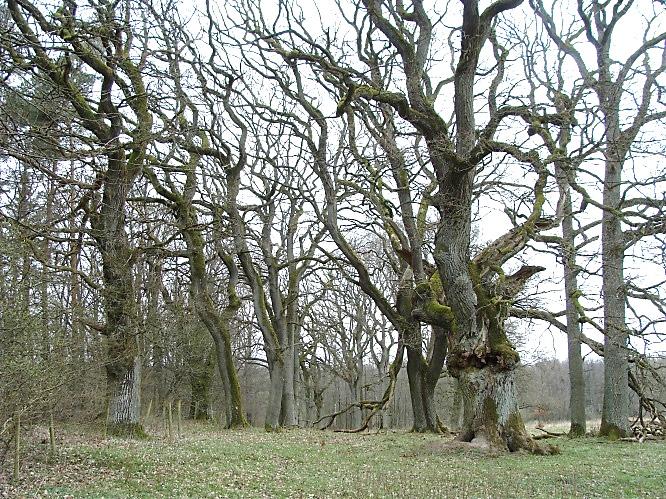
column 213, row 463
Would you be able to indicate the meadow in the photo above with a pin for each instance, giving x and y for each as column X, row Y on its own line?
column 208, row 462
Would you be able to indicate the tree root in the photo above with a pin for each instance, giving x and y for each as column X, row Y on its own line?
column 513, row 442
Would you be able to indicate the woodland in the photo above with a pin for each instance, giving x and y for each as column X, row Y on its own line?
column 335, row 215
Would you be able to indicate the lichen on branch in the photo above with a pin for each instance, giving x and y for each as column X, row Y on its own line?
column 426, row 307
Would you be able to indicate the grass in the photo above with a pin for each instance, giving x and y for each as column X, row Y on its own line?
column 206, row 462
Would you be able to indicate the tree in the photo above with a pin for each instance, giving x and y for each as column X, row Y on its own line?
column 122, row 93
column 633, row 83
column 475, row 289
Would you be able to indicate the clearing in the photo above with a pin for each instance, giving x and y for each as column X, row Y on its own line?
column 207, row 462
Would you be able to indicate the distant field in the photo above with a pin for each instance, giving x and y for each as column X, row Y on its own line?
column 206, row 462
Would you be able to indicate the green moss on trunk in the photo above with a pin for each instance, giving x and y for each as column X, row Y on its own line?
column 611, row 431
column 127, row 430
column 576, row 430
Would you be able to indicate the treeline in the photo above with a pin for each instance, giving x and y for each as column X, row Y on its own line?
column 253, row 207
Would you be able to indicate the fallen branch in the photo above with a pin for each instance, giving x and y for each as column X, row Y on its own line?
column 374, row 405
column 547, row 434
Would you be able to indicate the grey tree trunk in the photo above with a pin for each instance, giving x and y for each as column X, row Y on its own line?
column 576, row 377
column 124, row 394
column 491, row 414
column 288, row 403
column 274, row 408
column 615, row 414
column 455, row 418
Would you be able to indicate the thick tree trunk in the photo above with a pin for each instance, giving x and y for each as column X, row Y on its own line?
column 455, row 418
column 491, row 415
column 123, row 366
column 124, row 394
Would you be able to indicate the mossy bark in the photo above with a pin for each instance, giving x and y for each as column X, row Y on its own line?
column 491, row 416
column 423, row 374
column 123, row 365
column 218, row 324
column 201, row 380
column 485, row 366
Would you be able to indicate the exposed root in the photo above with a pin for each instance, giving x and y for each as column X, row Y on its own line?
column 513, row 442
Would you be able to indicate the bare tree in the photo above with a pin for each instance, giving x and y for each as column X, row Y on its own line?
column 635, row 83
column 107, row 46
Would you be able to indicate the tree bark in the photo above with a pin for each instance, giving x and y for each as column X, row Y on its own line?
column 575, row 360
column 615, row 414
column 491, row 415
column 123, row 366
column 201, row 379
column 124, row 395
column 276, row 392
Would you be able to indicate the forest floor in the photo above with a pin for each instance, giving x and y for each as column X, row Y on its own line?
column 208, row 462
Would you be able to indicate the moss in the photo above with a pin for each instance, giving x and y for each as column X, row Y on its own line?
column 611, row 431
column 441, row 314
column 490, row 423
column 576, row 430
column 427, row 308
column 239, row 424
column 492, row 310
column 127, row 430
column 518, row 439
column 436, row 284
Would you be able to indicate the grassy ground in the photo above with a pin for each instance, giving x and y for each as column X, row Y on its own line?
column 206, row 462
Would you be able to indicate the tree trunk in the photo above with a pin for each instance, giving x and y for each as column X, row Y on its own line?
column 218, row 325
column 201, row 379
column 457, row 406
column 615, row 414
column 123, row 366
column 491, row 415
column 276, row 391
column 568, row 251
column 422, row 398
column 576, row 376
column 124, row 394
column 288, row 404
